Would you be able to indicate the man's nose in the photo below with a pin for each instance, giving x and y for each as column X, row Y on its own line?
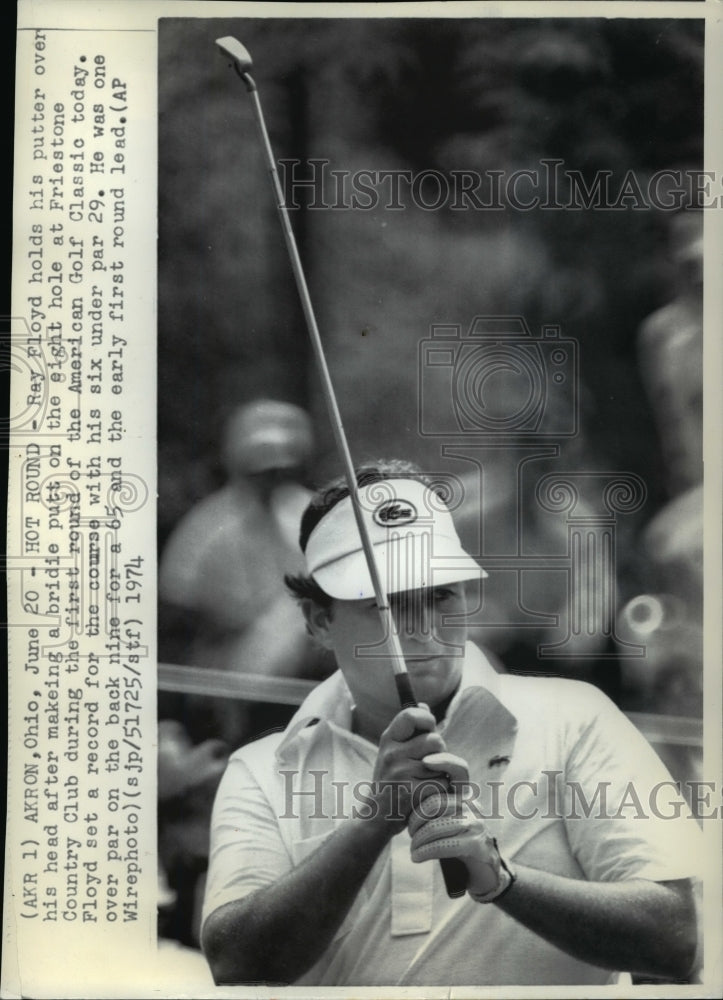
column 415, row 617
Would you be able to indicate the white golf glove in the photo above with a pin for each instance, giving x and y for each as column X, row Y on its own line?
column 453, row 831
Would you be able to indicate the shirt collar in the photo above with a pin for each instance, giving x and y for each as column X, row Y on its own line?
column 331, row 700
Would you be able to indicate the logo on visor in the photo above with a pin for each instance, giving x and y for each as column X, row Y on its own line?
column 393, row 513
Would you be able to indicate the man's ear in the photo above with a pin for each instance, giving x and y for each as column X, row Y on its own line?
column 317, row 619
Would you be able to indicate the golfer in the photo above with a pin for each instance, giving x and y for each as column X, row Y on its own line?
column 326, row 838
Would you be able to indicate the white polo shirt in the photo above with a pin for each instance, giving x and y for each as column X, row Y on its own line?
column 583, row 797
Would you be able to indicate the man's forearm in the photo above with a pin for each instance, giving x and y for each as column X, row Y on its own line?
column 636, row 926
column 280, row 931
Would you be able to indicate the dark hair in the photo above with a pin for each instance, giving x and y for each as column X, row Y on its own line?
column 327, row 497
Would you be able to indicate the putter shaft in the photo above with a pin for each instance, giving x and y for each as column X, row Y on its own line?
column 403, row 682
column 454, row 870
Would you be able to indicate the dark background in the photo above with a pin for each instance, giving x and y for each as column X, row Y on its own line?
column 408, row 94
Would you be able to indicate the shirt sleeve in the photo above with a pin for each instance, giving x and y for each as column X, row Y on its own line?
column 625, row 816
column 247, row 851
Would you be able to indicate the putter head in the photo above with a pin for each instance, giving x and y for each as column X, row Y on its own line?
column 232, row 48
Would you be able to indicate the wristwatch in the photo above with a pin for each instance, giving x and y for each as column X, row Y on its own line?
column 507, row 877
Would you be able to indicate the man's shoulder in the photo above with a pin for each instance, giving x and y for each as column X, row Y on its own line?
column 268, row 747
column 260, row 749
column 563, row 697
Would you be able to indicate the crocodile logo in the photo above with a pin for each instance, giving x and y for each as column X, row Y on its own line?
column 395, row 513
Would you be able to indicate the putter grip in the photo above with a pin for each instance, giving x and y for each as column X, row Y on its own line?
column 455, row 877
column 453, row 870
column 404, row 690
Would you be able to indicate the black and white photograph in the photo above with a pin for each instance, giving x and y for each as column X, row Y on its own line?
column 364, row 502
column 430, row 499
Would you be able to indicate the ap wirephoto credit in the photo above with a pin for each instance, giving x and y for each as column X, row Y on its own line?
column 364, row 518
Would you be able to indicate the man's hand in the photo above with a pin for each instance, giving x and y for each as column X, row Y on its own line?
column 444, row 827
column 401, row 776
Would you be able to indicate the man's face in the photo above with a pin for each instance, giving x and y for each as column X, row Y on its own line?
column 432, row 632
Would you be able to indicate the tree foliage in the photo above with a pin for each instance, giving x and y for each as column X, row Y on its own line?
column 449, row 94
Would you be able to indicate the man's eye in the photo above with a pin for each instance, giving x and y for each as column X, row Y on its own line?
column 442, row 594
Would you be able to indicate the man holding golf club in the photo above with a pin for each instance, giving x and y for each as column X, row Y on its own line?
column 325, row 838
column 576, row 852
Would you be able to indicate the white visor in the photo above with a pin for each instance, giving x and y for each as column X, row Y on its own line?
column 413, row 538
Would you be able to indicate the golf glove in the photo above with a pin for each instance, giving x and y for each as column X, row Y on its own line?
column 444, row 827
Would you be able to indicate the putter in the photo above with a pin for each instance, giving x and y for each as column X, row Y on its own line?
column 455, row 873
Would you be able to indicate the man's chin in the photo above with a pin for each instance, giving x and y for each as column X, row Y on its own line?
column 433, row 680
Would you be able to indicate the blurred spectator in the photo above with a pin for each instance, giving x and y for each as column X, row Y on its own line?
column 668, row 617
column 668, row 621
column 222, row 570
column 670, row 344
column 187, row 780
